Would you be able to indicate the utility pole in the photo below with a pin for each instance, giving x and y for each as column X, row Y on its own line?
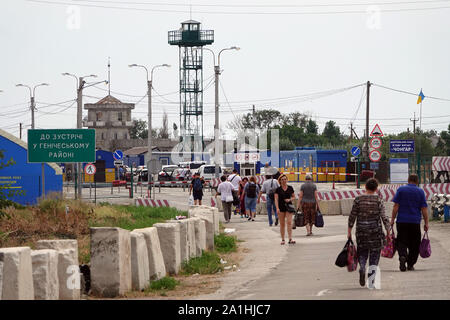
column 367, row 119
column 216, row 124
column 216, row 104
column 149, row 118
column 80, row 86
column 33, row 108
column 351, row 131
column 414, row 120
column 20, row 130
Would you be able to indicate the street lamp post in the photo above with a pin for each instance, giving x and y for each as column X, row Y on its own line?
column 216, row 104
column 33, row 107
column 80, row 86
column 149, row 137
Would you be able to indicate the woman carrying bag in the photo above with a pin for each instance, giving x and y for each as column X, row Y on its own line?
column 284, row 196
column 308, row 202
column 369, row 213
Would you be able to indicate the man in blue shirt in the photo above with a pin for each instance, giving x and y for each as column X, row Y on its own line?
column 410, row 206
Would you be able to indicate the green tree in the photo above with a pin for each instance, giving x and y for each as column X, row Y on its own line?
column 312, row 127
column 140, row 130
column 332, row 134
column 444, row 146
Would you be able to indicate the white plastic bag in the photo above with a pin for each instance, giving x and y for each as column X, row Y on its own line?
column 191, row 200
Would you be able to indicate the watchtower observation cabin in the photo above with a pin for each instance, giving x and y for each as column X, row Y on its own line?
column 190, row 40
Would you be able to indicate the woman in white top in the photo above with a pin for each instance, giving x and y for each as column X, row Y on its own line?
column 225, row 190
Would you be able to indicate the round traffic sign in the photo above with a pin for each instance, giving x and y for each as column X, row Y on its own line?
column 356, row 151
column 90, row 169
column 118, row 155
column 375, row 155
column 375, row 143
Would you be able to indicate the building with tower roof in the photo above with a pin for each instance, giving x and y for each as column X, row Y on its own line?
column 111, row 119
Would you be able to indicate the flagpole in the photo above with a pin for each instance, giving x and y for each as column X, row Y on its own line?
column 420, row 138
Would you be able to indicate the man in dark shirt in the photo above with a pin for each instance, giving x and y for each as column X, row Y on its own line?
column 410, row 206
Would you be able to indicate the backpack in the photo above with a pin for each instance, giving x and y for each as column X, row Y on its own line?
column 271, row 192
column 251, row 192
column 197, row 185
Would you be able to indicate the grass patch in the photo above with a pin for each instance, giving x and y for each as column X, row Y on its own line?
column 58, row 218
column 208, row 263
column 166, row 283
column 224, row 243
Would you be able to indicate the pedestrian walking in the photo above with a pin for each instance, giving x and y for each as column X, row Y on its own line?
column 409, row 208
column 242, row 184
column 196, row 188
column 308, row 201
column 369, row 213
column 235, row 180
column 284, row 196
column 225, row 190
column 268, row 187
column 251, row 191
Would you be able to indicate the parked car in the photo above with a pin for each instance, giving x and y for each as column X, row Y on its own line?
column 166, row 173
column 193, row 166
column 208, row 171
column 181, row 174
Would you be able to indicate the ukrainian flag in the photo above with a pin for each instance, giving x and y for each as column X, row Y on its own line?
column 420, row 97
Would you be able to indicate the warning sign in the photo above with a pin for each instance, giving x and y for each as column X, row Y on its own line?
column 376, row 131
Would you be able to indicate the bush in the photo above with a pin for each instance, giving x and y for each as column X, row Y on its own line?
column 208, row 263
column 224, row 243
column 166, row 283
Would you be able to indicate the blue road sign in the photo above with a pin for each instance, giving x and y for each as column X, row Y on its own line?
column 356, row 151
column 401, row 146
column 118, row 155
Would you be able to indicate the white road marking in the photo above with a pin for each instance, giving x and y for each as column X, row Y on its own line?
column 323, row 292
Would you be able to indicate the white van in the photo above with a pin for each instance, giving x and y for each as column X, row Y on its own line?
column 208, row 171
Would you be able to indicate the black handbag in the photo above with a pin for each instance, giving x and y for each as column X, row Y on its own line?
column 290, row 207
column 319, row 223
column 341, row 260
column 299, row 219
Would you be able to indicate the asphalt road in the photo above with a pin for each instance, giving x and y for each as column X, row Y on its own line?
column 306, row 270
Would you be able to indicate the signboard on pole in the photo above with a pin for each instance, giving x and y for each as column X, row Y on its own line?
column 375, row 155
column 376, row 131
column 118, row 155
column 61, row 145
column 399, row 170
column 90, row 169
column 356, row 151
column 375, row 143
column 401, row 146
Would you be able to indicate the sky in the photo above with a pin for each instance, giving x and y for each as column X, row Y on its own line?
column 288, row 49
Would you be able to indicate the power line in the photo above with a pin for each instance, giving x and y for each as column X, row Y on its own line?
column 240, row 12
column 264, row 5
column 410, row 93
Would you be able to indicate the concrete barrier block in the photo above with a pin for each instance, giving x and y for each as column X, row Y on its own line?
column 169, row 238
column 45, row 274
column 346, row 206
column 110, row 261
column 191, row 238
column 140, row 274
column 68, row 271
column 157, row 268
column 209, row 228
column 184, row 241
column 16, row 280
column 200, row 236
column 59, row 244
column 69, row 277
column 209, row 211
column 330, row 207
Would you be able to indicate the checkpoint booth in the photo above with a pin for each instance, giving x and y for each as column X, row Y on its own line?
column 247, row 163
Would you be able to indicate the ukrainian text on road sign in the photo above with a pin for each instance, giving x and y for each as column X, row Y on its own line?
column 61, row 145
column 401, row 146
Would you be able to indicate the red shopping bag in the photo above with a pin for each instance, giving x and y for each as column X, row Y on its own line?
column 352, row 257
column 389, row 249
